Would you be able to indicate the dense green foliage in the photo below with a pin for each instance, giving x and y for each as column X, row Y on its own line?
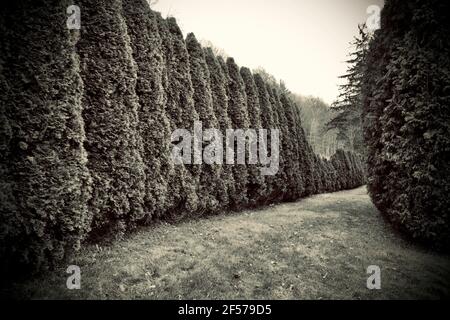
column 406, row 91
column 267, row 122
column 237, row 109
column 209, row 184
column 45, row 185
column 110, row 112
column 154, row 124
column 256, row 184
column 218, row 87
column 296, row 185
column 86, row 123
column 348, row 107
column 181, row 113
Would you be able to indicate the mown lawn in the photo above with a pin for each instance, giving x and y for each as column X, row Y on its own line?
column 317, row 248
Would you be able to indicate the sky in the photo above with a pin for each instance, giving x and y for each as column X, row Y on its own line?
column 303, row 42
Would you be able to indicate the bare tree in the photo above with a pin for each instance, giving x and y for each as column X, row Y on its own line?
column 218, row 52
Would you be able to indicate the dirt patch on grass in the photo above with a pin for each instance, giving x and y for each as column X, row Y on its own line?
column 317, row 248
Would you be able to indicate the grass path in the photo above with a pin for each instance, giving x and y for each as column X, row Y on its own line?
column 317, row 248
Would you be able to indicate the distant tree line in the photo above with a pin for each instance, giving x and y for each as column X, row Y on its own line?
column 316, row 114
column 86, row 119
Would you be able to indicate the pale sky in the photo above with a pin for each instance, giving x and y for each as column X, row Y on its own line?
column 303, row 42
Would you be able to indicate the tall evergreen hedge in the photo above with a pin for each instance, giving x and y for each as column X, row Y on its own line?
column 237, row 109
column 181, row 112
column 86, row 120
column 154, row 125
column 218, row 86
column 256, row 182
column 282, row 177
column 44, row 180
column 268, row 123
column 406, row 93
column 305, row 156
column 209, row 184
column 296, row 187
column 286, row 145
column 110, row 112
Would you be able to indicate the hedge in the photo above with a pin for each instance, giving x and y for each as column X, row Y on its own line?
column 45, row 185
column 406, row 96
column 86, row 120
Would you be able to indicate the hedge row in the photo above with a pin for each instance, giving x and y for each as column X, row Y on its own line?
column 86, row 120
column 407, row 118
column 45, row 182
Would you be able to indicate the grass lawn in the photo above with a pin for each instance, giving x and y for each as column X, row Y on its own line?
column 316, row 248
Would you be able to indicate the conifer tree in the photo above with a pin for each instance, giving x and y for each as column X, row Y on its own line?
column 220, row 103
column 305, row 156
column 45, row 184
column 314, row 170
column 182, row 115
column 341, row 169
column 180, row 80
column 237, row 109
column 268, row 123
column 334, row 176
column 348, row 106
column 319, row 176
column 209, row 181
column 256, row 183
column 110, row 112
column 328, row 182
column 286, row 144
column 154, row 126
column 297, row 184
column 280, row 187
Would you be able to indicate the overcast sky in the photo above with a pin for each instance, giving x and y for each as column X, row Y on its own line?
column 303, row 42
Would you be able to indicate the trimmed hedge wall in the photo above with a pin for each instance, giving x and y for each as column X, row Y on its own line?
column 407, row 119
column 86, row 119
column 110, row 112
column 45, row 184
